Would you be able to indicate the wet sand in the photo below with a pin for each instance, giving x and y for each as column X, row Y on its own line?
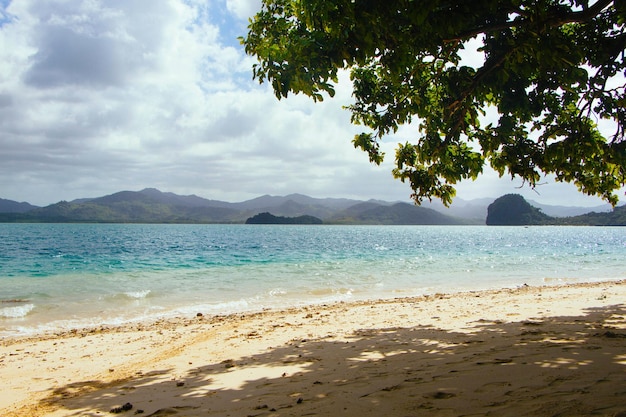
column 531, row 351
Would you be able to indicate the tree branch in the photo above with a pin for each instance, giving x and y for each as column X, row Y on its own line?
column 554, row 21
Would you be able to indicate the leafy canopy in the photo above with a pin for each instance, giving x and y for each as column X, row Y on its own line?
column 552, row 70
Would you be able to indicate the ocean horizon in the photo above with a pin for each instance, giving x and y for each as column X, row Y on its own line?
column 57, row 277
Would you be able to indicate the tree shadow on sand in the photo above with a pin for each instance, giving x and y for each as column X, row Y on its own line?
column 555, row 366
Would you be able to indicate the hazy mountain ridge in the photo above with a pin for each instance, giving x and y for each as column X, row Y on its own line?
column 153, row 206
column 570, row 211
column 10, row 206
column 395, row 214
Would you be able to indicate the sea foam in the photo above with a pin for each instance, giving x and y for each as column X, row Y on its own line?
column 137, row 294
column 15, row 312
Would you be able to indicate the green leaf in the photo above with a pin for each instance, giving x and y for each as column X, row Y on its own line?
column 550, row 69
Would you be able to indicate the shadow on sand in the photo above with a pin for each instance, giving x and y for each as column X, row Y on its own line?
column 556, row 366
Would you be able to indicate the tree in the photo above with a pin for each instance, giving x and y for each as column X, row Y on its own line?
column 552, row 70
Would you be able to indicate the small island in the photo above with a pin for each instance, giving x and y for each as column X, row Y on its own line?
column 514, row 210
column 268, row 218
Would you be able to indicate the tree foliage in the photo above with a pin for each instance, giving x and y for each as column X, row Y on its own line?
column 551, row 71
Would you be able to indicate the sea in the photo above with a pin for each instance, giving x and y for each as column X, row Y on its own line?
column 59, row 277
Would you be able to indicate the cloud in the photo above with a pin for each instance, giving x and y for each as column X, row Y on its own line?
column 95, row 44
column 101, row 96
column 243, row 9
column 105, row 96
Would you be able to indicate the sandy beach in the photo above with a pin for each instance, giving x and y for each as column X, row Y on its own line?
column 530, row 351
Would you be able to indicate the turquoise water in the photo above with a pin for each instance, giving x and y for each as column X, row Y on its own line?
column 61, row 276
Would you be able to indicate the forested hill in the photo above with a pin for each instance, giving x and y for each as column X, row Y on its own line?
column 513, row 209
column 153, row 206
column 399, row 214
column 268, row 218
column 616, row 218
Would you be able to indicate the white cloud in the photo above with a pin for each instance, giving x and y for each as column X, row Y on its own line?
column 101, row 96
column 243, row 9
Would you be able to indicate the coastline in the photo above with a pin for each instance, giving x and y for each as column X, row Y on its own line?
column 528, row 351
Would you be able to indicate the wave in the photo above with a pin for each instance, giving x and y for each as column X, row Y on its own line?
column 326, row 291
column 227, row 307
column 277, row 292
column 128, row 296
column 137, row 294
column 15, row 312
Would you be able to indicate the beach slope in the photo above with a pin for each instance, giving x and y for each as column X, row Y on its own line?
column 530, row 351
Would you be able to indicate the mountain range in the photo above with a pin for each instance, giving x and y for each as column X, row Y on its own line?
column 153, row 206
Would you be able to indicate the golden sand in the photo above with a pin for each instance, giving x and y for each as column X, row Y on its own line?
column 532, row 351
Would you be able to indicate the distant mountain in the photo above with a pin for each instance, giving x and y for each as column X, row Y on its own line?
column 395, row 214
column 474, row 210
column 146, row 206
column 295, row 205
column 513, row 209
column 274, row 201
column 617, row 217
column 10, row 206
column 288, row 208
column 153, row 206
column 570, row 211
column 155, row 196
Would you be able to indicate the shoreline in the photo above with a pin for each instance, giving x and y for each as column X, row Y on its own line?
column 513, row 351
column 176, row 312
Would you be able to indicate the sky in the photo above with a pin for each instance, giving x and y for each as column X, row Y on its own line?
column 100, row 96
